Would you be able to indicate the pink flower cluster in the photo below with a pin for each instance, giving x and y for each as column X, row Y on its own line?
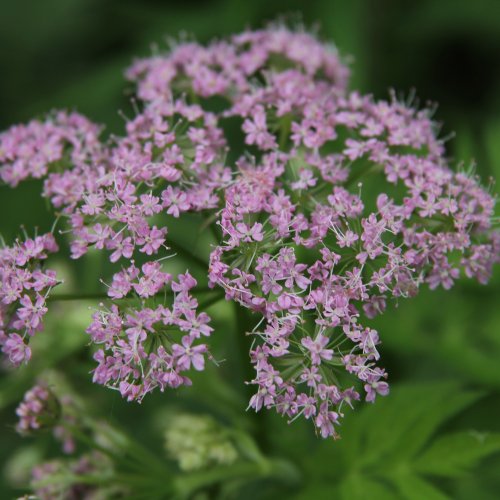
column 63, row 142
column 39, row 409
column 47, row 485
column 143, row 347
column 327, row 202
column 234, row 68
column 170, row 162
column 313, row 257
column 24, row 286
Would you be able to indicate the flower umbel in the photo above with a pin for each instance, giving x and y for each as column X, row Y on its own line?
column 302, row 241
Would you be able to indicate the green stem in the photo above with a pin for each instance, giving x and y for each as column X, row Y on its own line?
column 69, row 479
column 212, row 300
column 91, row 443
column 140, row 481
column 244, row 323
column 187, row 253
column 187, row 484
column 125, row 443
column 285, row 126
column 209, row 223
column 143, row 461
column 66, row 297
column 372, row 168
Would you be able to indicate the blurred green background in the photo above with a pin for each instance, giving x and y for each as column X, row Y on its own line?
column 72, row 54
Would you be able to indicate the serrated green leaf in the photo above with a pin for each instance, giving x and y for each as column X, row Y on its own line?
column 399, row 426
column 412, row 487
column 418, row 434
column 454, row 454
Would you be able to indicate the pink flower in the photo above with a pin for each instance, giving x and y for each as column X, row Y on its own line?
column 151, row 240
column 187, row 355
column 325, row 421
column 32, row 313
column 248, row 234
column 123, row 247
column 317, row 348
column 16, row 350
column 256, row 130
column 375, row 388
column 175, row 201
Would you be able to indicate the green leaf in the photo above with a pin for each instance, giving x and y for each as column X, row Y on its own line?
column 380, row 455
column 418, row 434
column 358, row 487
column 412, row 487
column 454, row 454
column 318, row 491
column 400, row 425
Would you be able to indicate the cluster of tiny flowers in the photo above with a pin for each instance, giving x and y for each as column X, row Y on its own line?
column 234, row 68
column 169, row 163
column 149, row 347
column 306, row 252
column 24, row 286
column 58, row 479
column 327, row 203
column 38, row 410
column 41, row 410
column 56, row 148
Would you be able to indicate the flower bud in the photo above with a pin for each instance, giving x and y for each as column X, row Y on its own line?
column 40, row 409
column 198, row 442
